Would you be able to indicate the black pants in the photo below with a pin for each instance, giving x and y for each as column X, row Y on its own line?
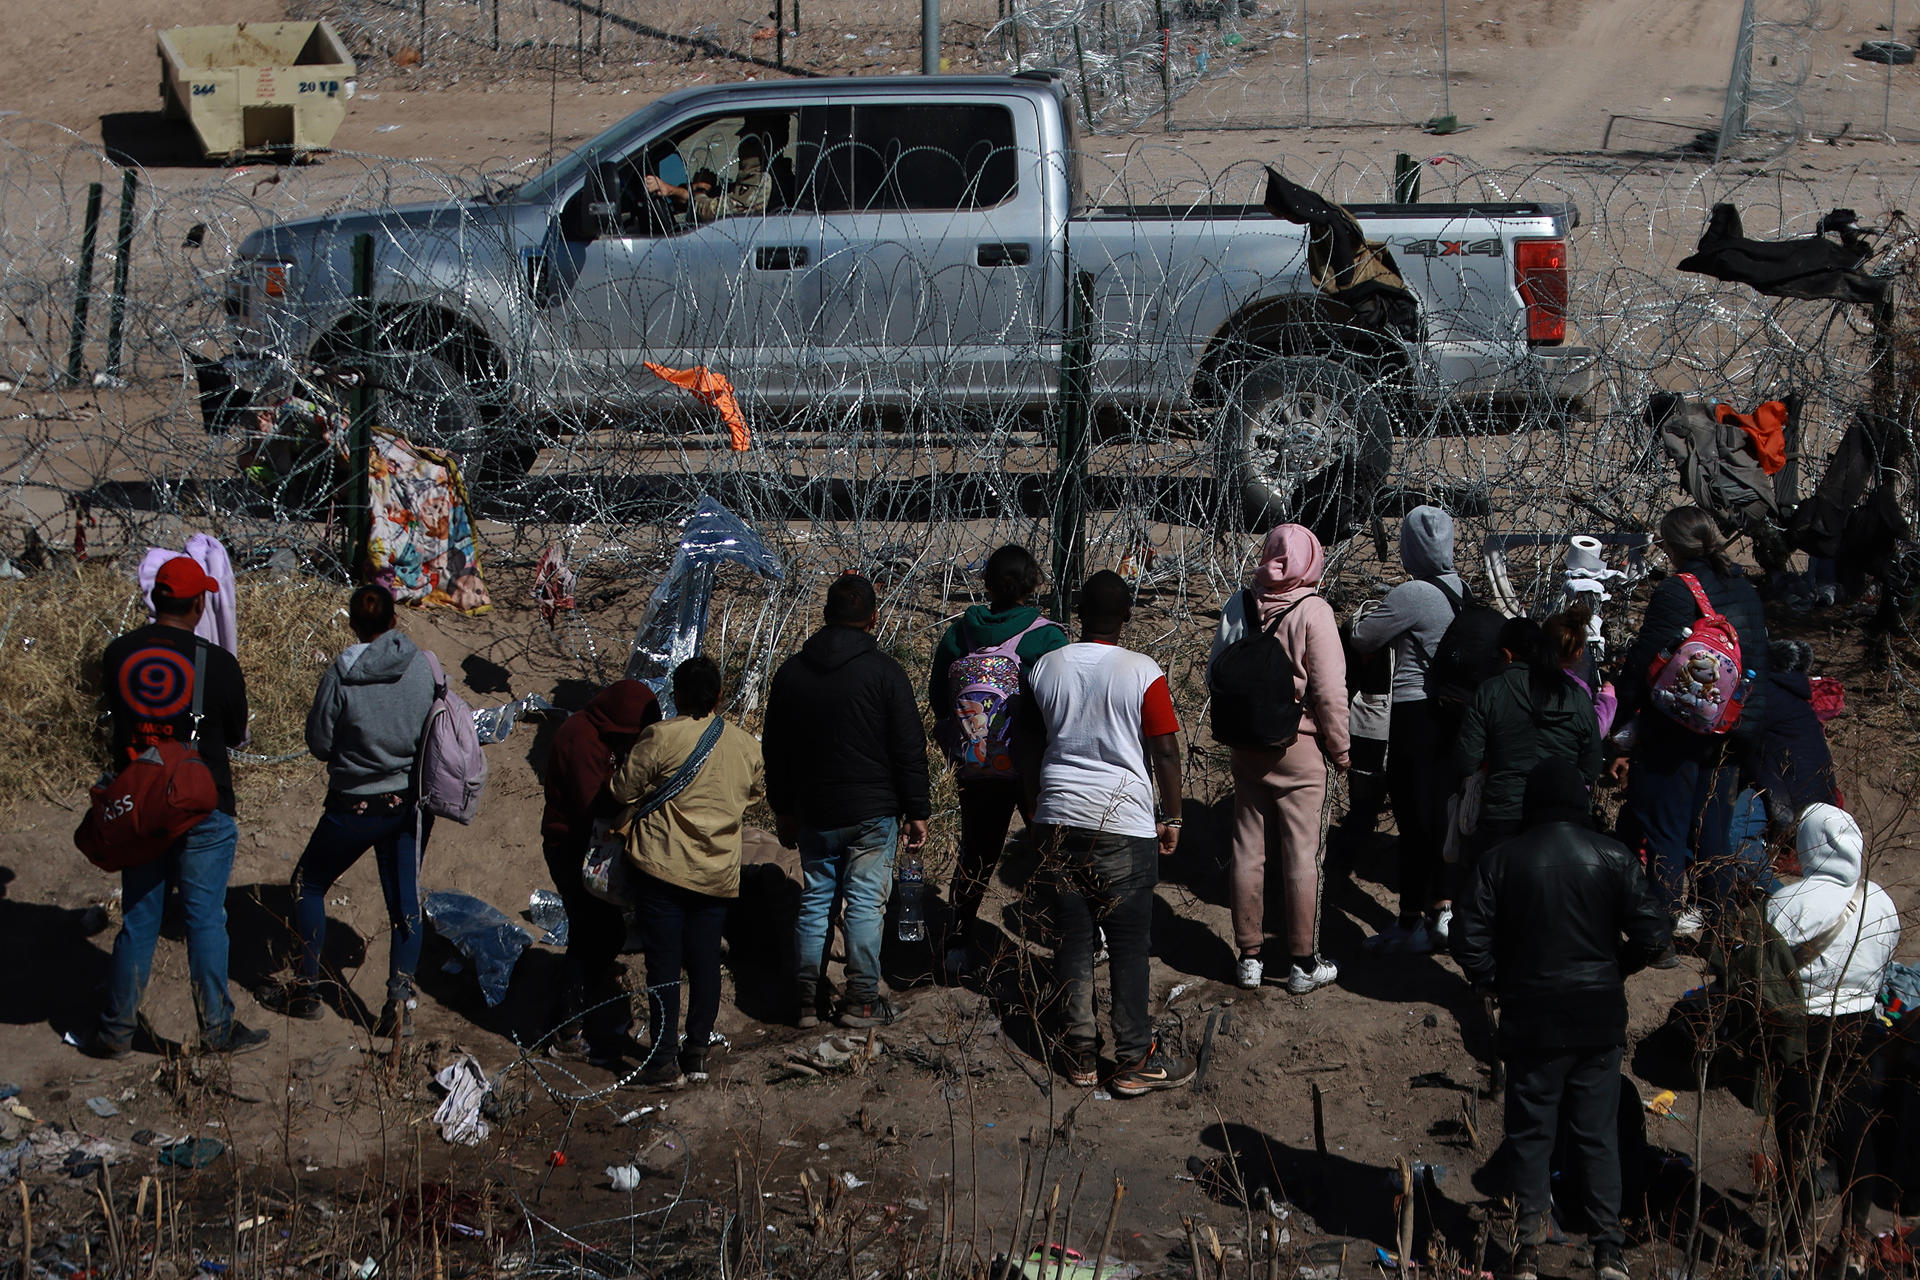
column 1420, row 777
column 1839, row 1122
column 987, row 806
column 1104, row 881
column 595, row 932
column 682, row 930
column 1583, row 1088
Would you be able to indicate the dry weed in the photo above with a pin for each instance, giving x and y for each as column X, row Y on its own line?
column 53, row 628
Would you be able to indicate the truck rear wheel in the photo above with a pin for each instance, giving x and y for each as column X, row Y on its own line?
column 1303, row 439
column 429, row 401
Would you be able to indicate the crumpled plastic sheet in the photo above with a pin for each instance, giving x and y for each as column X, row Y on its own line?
column 675, row 623
column 549, row 915
column 11, row 1158
column 459, row 1113
column 496, row 723
column 483, row 934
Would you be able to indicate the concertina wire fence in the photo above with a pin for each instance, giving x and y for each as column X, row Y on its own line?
column 918, row 502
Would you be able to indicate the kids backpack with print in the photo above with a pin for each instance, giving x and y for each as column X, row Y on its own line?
column 985, row 683
column 452, row 768
column 1701, row 684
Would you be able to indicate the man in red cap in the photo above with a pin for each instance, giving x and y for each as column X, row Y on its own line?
column 149, row 677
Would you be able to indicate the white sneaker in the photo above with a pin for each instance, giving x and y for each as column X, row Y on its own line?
column 1299, row 982
column 1441, row 925
column 1250, row 972
column 1689, row 924
column 1099, row 945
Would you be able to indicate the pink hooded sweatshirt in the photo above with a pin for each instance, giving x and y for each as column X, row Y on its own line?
column 1291, row 562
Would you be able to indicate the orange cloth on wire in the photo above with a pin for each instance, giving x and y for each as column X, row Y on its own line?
column 714, row 390
column 1765, row 426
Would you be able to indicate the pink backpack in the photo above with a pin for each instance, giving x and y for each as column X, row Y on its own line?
column 452, row 768
column 985, row 684
column 1700, row 684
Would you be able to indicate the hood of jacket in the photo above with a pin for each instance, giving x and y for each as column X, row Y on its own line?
column 834, row 646
column 621, row 709
column 982, row 625
column 381, row 660
column 1830, row 845
column 1426, row 542
column 1793, row 682
column 1291, row 562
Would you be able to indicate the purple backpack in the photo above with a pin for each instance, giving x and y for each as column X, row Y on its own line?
column 450, row 767
column 984, row 684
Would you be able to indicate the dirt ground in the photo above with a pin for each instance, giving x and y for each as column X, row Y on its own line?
column 956, row 1104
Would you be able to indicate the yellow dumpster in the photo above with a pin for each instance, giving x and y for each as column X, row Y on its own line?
column 257, row 87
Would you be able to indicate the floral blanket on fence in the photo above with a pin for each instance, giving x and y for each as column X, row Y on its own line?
column 421, row 546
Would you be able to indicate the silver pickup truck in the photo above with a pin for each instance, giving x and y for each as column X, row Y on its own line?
column 891, row 244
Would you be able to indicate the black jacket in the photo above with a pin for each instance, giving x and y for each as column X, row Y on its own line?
column 1670, row 611
column 844, row 742
column 147, row 675
column 1542, row 926
column 1507, row 733
column 1793, row 767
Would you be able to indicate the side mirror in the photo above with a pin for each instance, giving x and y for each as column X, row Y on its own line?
column 594, row 210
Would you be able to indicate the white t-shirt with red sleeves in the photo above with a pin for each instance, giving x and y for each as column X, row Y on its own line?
column 1100, row 704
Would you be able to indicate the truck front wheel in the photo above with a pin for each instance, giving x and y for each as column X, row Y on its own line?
column 1303, row 439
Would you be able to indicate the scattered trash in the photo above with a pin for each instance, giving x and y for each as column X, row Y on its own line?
column 557, row 1159
column 1179, row 989
column 103, row 1108
column 258, row 1220
column 549, row 915
column 624, row 1177
column 389, row 128
column 193, row 1153
column 631, row 1116
column 495, row 723
column 12, row 1157
column 1661, row 1104
column 364, row 1271
column 459, row 1113
column 1057, row 1262
column 445, row 1212
column 850, row 1182
column 9, row 1091
column 483, row 934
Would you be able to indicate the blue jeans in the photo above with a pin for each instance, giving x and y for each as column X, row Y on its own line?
column 1681, row 788
column 198, row 866
column 850, row 865
column 337, row 844
column 1748, row 835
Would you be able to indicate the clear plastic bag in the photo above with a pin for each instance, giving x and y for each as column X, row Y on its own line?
column 484, row 935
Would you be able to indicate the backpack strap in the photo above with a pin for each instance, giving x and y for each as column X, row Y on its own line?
column 681, row 778
column 1813, row 948
column 1250, row 608
column 1700, row 601
column 199, row 688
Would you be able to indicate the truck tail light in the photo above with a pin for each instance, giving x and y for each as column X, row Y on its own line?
column 275, row 280
column 1540, row 273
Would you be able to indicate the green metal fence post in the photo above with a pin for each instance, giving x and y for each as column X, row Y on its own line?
column 1075, row 431
column 359, row 523
column 83, row 286
column 122, row 253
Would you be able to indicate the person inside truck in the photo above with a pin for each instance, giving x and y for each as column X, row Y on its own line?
column 704, row 198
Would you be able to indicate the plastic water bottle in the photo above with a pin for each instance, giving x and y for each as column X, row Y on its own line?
column 910, row 891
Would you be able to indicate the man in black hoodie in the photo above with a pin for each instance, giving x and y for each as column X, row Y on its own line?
column 1541, row 929
column 846, row 761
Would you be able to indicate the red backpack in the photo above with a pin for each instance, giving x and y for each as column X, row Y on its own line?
column 163, row 792
column 1701, row 683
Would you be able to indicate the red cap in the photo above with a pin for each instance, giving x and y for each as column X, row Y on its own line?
column 183, row 579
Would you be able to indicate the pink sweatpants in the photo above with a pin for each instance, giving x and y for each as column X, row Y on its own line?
column 1278, row 797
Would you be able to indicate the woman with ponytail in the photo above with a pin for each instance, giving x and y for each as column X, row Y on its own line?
column 1530, row 712
column 1681, row 784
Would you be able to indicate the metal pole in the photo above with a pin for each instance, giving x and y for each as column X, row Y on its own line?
column 929, row 37
column 423, row 32
column 1076, row 423
column 1306, row 62
column 83, row 285
column 359, row 523
column 1166, row 67
column 780, row 33
column 1446, row 74
column 122, row 253
column 1886, row 99
column 1733, row 116
column 496, row 26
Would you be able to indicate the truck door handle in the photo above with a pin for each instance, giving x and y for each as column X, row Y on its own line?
column 779, row 257
column 1004, row 255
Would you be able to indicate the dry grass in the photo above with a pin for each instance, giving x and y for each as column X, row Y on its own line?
column 53, row 627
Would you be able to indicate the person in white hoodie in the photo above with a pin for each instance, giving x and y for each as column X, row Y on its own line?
column 1843, row 930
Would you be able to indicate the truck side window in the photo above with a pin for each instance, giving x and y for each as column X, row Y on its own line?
column 928, row 157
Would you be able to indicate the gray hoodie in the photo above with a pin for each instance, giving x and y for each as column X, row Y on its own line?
column 1415, row 614
column 367, row 715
